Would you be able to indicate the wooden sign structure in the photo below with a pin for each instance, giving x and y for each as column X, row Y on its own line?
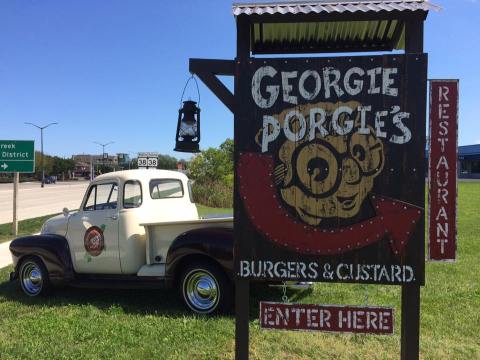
column 442, row 196
column 330, row 186
column 329, row 170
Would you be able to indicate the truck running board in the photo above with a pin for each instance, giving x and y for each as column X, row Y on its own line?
column 119, row 282
column 152, row 270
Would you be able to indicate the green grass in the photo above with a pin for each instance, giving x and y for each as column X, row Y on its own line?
column 25, row 227
column 205, row 210
column 92, row 324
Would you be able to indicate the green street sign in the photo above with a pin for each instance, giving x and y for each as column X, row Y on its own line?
column 17, row 156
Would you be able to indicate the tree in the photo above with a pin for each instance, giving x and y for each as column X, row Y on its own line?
column 213, row 164
column 167, row 162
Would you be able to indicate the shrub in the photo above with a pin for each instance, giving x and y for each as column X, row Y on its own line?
column 217, row 194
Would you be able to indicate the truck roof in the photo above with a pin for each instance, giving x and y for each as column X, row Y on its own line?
column 142, row 175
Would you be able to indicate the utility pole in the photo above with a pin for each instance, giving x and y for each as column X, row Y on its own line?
column 42, row 164
column 92, row 169
column 103, row 150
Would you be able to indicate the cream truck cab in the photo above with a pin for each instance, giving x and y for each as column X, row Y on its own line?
column 134, row 228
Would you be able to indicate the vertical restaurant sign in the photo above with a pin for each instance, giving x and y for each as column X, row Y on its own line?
column 329, row 166
column 442, row 212
column 330, row 318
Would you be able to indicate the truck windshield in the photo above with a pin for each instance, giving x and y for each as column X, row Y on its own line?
column 165, row 188
column 102, row 197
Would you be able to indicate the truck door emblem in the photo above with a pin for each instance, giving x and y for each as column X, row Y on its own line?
column 94, row 241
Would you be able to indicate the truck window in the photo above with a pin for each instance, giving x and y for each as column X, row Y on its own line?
column 132, row 194
column 165, row 188
column 190, row 192
column 102, row 197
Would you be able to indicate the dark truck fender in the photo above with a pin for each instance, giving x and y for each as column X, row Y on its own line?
column 211, row 244
column 53, row 250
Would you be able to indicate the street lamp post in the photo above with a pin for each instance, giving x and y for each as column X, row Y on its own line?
column 41, row 144
column 103, row 149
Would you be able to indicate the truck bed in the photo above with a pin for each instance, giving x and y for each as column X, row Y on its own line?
column 160, row 235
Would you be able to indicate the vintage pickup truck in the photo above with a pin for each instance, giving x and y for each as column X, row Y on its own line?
column 134, row 228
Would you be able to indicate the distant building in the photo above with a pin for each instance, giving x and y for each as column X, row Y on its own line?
column 123, row 160
column 469, row 161
column 84, row 162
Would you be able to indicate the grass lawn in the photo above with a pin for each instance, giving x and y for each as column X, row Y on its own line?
column 205, row 210
column 93, row 324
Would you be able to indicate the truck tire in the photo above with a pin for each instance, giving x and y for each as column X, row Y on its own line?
column 205, row 289
column 33, row 277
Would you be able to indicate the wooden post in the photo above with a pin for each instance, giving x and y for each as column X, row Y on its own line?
column 15, row 203
column 242, row 286
column 410, row 332
column 242, row 313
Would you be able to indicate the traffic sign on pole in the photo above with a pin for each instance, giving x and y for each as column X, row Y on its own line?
column 17, row 156
column 147, row 160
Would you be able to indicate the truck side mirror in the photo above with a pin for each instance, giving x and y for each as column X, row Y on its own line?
column 65, row 212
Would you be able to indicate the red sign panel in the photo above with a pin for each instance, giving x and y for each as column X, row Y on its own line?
column 443, row 170
column 331, row 318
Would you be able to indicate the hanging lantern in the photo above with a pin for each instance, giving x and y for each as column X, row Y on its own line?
column 188, row 127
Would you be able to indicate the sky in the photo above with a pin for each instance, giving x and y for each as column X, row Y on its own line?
column 114, row 70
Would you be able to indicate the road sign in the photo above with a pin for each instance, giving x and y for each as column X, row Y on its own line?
column 17, row 156
column 147, row 160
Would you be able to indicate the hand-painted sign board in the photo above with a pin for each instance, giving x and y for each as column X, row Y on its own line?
column 17, row 156
column 329, row 318
column 330, row 169
column 442, row 212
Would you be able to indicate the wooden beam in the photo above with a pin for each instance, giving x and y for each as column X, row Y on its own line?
column 242, row 286
column 214, row 66
column 410, row 333
column 207, row 71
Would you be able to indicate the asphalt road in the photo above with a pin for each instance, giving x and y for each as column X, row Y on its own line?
column 35, row 201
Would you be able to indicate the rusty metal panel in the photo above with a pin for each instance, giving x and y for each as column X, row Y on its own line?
column 330, row 169
column 306, row 7
column 442, row 204
column 327, row 36
column 331, row 27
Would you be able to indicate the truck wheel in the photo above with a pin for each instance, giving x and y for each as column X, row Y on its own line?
column 205, row 289
column 33, row 277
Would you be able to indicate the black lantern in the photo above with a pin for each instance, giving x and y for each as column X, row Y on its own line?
column 188, row 127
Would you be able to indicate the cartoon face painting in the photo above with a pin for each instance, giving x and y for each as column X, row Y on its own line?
column 330, row 175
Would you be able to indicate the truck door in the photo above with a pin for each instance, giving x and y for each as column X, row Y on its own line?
column 93, row 231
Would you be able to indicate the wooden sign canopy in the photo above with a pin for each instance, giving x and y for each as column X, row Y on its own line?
column 316, row 159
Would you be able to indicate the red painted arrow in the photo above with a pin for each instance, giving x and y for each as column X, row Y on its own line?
column 394, row 218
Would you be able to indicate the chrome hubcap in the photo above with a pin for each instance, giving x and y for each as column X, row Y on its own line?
column 32, row 279
column 201, row 290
